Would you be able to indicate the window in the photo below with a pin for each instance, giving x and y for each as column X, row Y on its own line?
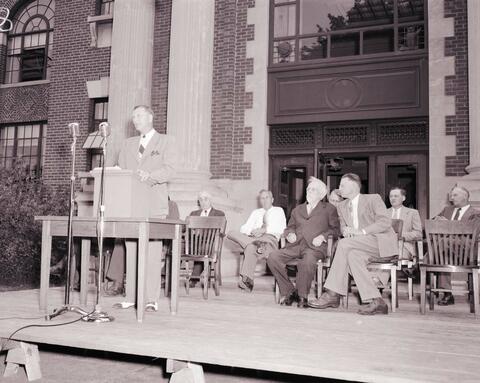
column 99, row 115
column 306, row 30
column 24, row 143
column 29, row 43
column 105, row 7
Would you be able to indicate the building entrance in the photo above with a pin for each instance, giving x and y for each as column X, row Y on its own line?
column 384, row 153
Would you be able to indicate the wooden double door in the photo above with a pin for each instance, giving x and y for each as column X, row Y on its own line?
column 379, row 172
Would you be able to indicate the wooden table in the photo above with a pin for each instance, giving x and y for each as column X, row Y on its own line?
column 141, row 229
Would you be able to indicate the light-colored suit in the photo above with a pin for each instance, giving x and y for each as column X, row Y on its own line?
column 158, row 159
column 353, row 253
column 411, row 231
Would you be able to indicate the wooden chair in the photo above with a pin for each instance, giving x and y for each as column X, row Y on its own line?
column 203, row 243
column 389, row 264
column 322, row 267
column 452, row 248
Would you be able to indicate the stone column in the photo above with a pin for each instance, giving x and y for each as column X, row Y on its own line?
column 190, row 83
column 472, row 180
column 190, row 96
column 130, row 66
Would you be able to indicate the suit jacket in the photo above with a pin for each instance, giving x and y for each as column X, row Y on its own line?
column 213, row 213
column 322, row 220
column 159, row 160
column 470, row 214
column 374, row 219
column 412, row 227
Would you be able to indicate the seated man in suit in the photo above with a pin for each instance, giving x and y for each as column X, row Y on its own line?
column 152, row 156
column 411, row 230
column 206, row 210
column 412, row 225
column 460, row 210
column 367, row 232
column 258, row 236
column 309, row 226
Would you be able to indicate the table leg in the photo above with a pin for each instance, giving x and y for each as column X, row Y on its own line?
column 143, row 239
column 176, row 250
column 45, row 263
column 131, row 270
column 84, row 270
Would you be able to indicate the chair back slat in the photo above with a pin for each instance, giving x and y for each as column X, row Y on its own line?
column 202, row 236
column 451, row 242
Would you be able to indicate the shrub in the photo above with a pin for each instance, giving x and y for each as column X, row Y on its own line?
column 21, row 198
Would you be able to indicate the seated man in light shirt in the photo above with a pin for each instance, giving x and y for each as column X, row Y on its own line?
column 259, row 236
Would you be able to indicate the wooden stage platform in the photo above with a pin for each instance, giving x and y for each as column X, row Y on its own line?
column 251, row 331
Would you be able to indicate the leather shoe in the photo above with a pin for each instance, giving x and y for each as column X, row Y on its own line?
column 246, row 284
column 447, row 300
column 302, row 303
column 113, row 291
column 326, row 300
column 376, row 306
column 411, row 272
column 289, row 299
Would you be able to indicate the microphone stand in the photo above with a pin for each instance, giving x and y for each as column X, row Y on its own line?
column 98, row 315
column 66, row 304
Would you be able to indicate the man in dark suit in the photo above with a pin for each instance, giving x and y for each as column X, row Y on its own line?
column 367, row 232
column 460, row 210
column 206, row 210
column 307, row 231
column 152, row 156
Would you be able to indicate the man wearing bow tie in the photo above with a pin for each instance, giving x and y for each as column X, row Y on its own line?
column 152, row 156
column 206, row 210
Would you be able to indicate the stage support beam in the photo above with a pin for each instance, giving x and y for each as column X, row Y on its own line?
column 185, row 372
column 26, row 354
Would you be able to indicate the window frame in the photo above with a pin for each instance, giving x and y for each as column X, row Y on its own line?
column 395, row 25
column 42, row 138
column 11, row 36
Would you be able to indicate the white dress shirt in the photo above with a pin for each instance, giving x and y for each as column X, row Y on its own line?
column 462, row 212
column 274, row 219
column 205, row 212
column 145, row 139
column 354, row 205
column 396, row 213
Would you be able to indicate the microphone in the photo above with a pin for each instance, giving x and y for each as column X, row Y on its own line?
column 104, row 129
column 74, row 129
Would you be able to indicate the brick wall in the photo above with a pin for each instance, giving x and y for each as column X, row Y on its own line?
column 161, row 52
column 229, row 99
column 24, row 103
column 457, row 86
column 74, row 63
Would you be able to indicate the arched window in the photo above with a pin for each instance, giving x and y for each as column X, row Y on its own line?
column 29, row 43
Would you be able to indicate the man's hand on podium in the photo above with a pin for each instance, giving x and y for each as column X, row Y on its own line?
column 144, row 176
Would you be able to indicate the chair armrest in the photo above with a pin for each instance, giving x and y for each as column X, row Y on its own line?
column 420, row 250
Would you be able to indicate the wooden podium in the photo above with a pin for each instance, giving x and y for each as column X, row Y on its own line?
column 124, row 194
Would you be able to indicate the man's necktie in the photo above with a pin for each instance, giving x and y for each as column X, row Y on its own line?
column 457, row 215
column 141, row 148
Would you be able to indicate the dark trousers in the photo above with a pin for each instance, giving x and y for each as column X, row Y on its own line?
column 306, row 266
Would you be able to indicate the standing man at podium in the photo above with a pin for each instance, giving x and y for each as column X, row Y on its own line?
column 152, row 156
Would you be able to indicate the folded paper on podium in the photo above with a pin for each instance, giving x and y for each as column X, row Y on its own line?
column 124, row 194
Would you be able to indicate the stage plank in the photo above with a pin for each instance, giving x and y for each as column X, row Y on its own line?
column 251, row 331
